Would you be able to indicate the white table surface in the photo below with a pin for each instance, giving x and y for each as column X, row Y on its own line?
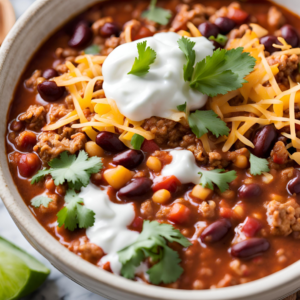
column 57, row 286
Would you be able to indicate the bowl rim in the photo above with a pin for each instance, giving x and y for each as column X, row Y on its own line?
column 35, row 233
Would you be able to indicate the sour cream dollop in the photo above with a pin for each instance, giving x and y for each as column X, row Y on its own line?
column 110, row 230
column 163, row 88
column 183, row 166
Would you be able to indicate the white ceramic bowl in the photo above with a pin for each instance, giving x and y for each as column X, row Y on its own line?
column 44, row 17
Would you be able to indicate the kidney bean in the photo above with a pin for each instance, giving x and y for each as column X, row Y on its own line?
column 225, row 24
column 215, row 231
column 290, row 35
column 129, row 159
column 50, row 73
column 149, row 146
column 143, row 32
column 249, row 248
column 16, row 125
column 208, row 29
column 28, row 164
column 268, row 42
column 293, row 186
column 264, row 140
column 248, row 191
column 137, row 188
column 49, row 91
column 109, row 29
column 110, row 142
column 81, row 36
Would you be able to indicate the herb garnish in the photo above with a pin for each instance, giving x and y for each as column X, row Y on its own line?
column 137, row 141
column 157, row 14
column 152, row 242
column 221, row 39
column 258, row 165
column 146, row 57
column 40, row 200
column 216, row 176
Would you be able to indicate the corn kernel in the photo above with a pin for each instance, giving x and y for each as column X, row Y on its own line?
column 241, row 162
column 277, row 198
column 117, row 177
column 267, row 178
column 93, row 149
column 161, row 196
column 184, row 33
column 154, row 164
column 228, row 194
column 239, row 211
column 201, row 192
column 248, row 181
column 258, row 216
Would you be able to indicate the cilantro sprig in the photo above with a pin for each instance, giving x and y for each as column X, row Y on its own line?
column 142, row 63
column 258, row 165
column 221, row 39
column 75, row 170
column 220, row 73
column 182, row 107
column 203, row 120
column 152, row 242
column 221, row 180
column 74, row 214
column 137, row 141
column 40, row 200
column 157, row 14
column 93, row 49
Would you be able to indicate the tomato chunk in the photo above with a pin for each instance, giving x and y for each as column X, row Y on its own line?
column 149, row 146
column 179, row 213
column 143, row 32
column 251, row 227
column 169, row 183
column 137, row 224
column 237, row 15
column 226, row 212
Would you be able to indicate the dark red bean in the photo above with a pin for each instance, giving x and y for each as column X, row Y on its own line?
column 215, row 231
column 249, row 248
column 50, row 73
column 149, row 146
column 248, row 191
column 268, row 42
column 293, row 185
column 129, row 159
column 109, row 29
column 137, row 188
column 225, row 24
column 208, row 29
column 110, row 142
column 49, row 91
column 81, row 36
column 16, row 125
column 290, row 35
column 28, row 164
column 264, row 140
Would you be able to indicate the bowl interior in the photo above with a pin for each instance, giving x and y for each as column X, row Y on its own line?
column 44, row 17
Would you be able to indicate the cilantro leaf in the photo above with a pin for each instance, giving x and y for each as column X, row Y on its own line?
column 40, row 200
column 203, row 120
column 74, row 213
column 222, row 72
column 157, row 14
column 152, row 242
column 146, row 57
column 186, row 46
column 221, row 39
column 182, row 107
column 221, row 180
column 258, row 165
column 76, row 171
column 137, row 141
column 93, row 49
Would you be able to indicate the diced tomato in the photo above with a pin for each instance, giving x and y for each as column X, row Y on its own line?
column 169, row 183
column 237, row 15
column 143, row 32
column 226, row 212
column 251, row 227
column 137, row 224
column 179, row 213
column 149, row 146
column 107, row 267
column 278, row 159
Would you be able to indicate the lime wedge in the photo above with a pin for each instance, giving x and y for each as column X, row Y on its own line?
column 20, row 273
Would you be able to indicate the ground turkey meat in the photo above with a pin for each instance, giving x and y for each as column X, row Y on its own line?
column 31, row 83
column 51, row 144
column 283, row 218
column 287, row 65
column 275, row 18
column 35, row 117
column 279, row 154
column 57, row 111
column 173, row 134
